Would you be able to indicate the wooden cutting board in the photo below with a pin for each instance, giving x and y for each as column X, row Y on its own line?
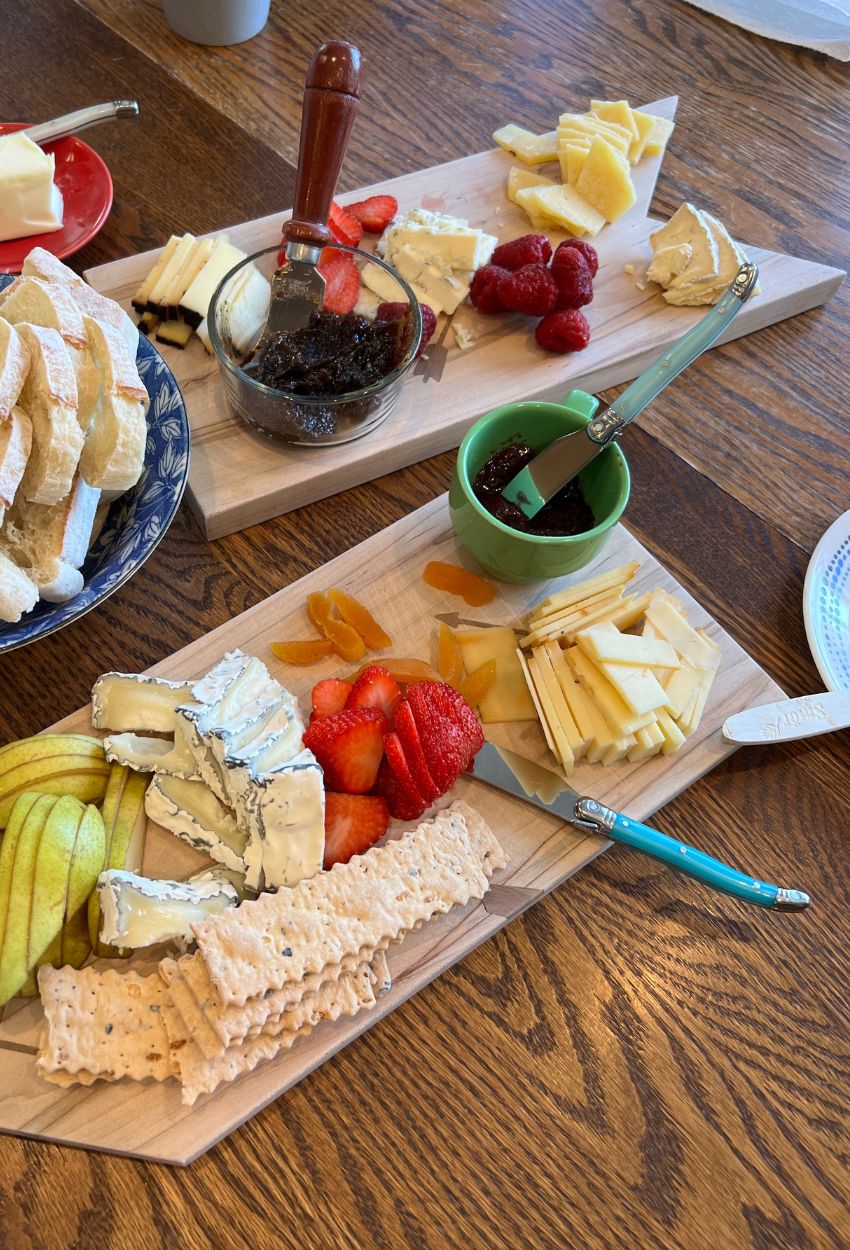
column 238, row 478
column 148, row 1120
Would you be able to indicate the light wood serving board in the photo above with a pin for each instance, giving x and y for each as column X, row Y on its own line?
column 147, row 1119
column 238, row 478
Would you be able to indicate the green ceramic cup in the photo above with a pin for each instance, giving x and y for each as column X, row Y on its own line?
column 506, row 553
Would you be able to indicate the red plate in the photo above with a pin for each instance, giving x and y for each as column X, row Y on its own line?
column 86, row 188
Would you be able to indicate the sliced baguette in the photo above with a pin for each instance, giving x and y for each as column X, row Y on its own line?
column 15, row 445
column 51, row 543
column 18, row 593
column 114, row 453
column 40, row 263
column 43, row 264
column 49, row 398
column 53, row 305
column 14, row 363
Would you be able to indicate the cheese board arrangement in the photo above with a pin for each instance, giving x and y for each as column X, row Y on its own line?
column 236, row 745
column 475, row 361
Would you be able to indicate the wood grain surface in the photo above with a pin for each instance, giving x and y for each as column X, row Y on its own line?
column 634, row 1062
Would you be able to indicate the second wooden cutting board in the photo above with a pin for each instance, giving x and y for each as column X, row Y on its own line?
column 238, row 478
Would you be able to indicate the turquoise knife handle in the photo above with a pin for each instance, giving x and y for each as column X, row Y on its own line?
column 687, row 859
column 611, row 423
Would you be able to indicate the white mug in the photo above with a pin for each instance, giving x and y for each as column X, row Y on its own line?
column 217, row 23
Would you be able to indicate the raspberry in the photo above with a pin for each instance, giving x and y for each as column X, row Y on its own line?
column 395, row 312
column 564, row 331
column 530, row 249
column 483, row 290
column 587, row 250
column 573, row 280
column 531, row 290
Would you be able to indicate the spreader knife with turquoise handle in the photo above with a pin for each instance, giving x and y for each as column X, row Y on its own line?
column 491, row 765
column 559, row 463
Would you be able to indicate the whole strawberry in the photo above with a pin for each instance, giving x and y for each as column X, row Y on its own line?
column 563, row 331
column 483, row 291
column 529, row 249
column 573, row 279
column 530, row 290
column 587, row 250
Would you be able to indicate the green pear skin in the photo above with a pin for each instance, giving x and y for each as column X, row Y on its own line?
column 14, row 951
column 123, row 810
column 52, row 764
column 8, row 847
column 52, row 876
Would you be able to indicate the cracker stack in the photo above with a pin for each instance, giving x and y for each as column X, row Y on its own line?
column 267, row 972
column 72, row 426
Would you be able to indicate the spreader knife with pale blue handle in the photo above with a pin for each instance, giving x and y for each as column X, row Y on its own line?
column 494, row 765
column 559, row 463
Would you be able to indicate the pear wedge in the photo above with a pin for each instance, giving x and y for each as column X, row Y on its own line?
column 75, row 945
column 8, row 848
column 126, row 824
column 51, row 903
column 14, row 951
column 52, row 764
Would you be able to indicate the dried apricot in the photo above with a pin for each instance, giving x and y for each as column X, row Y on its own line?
column 346, row 642
column 360, row 618
column 478, row 684
column 306, row 652
column 405, row 671
column 449, row 655
column 474, row 590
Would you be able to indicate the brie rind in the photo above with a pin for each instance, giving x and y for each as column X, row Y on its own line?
column 688, row 225
column 216, row 699
column 137, row 911
column 271, row 710
column 731, row 258
column 138, row 702
column 192, row 812
column 286, row 824
column 277, row 741
column 170, row 757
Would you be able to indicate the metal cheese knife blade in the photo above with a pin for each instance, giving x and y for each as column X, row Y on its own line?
column 790, row 719
column 493, row 765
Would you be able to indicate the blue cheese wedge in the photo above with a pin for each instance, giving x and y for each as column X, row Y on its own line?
column 190, row 811
column 286, row 824
column 137, row 702
column 435, row 253
column 137, row 911
column 168, row 756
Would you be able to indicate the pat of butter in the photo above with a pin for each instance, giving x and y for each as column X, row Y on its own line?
column 30, row 203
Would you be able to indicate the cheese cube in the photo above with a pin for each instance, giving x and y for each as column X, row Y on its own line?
column 531, row 148
column 519, row 179
column 661, row 131
column 564, row 206
column 617, row 111
column 605, row 181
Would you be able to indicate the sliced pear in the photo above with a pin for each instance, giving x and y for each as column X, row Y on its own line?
column 125, row 822
column 52, row 764
column 52, row 876
column 14, row 951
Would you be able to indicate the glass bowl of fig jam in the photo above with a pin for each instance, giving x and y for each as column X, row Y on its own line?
column 329, row 382
column 572, row 528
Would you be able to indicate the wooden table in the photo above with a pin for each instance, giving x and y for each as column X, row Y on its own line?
column 636, row 1062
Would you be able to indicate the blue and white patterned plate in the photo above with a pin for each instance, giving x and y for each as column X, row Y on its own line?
column 138, row 519
column 826, row 605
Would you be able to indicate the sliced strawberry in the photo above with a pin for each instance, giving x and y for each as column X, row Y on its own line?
column 449, row 730
column 328, row 697
column 349, row 746
column 374, row 214
column 344, row 227
column 375, row 687
column 395, row 782
column 353, row 823
column 408, row 734
column 342, row 280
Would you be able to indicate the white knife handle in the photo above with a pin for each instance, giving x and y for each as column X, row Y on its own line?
column 47, row 132
column 790, row 719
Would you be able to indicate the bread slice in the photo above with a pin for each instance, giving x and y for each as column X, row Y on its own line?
column 15, row 444
column 14, row 363
column 49, row 398
column 40, row 263
column 114, row 453
column 18, row 593
column 50, row 543
column 46, row 304
column 43, row 264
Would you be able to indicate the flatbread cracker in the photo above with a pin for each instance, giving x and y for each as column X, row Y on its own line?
column 281, row 938
column 198, row 1075
column 102, row 1025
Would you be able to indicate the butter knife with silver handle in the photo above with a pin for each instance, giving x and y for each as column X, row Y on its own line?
column 790, row 719
column 72, row 123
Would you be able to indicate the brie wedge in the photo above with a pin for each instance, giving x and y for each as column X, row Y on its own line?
column 122, row 701
column 171, row 757
column 137, row 911
column 286, row 824
column 217, row 699
column 192, row 812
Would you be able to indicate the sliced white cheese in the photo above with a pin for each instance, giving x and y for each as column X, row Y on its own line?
column 122, row 701
column 216, row 699
column 137, row 911
column 272, row 711
column 383, row 284
column 192, row 812
column 276, row 743
column 170, row 757
column 248, row 309
column 286, row 823
column 195, row 303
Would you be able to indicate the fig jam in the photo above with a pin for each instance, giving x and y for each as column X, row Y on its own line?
column 331, row 355
column 566, row 514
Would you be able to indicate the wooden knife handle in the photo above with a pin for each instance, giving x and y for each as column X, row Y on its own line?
column 331, row 95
